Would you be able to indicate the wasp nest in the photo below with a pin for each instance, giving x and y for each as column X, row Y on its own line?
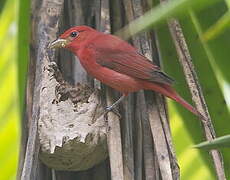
column 72, row 130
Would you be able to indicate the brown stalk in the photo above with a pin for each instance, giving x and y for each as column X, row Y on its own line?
column 162, row 161
column 114, row 127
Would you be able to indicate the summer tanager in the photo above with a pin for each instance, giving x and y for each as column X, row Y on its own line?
column 117, row 64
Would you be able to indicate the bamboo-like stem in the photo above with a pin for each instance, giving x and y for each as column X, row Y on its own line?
column 165, row 167
column 114, row 142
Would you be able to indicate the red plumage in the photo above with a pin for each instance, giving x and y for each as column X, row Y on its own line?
column 117, row 64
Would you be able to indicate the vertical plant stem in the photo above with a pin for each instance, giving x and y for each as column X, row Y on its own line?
column 114, row 132
column 165, row 167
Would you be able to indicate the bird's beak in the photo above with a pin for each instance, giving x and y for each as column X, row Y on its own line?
column 58, row 43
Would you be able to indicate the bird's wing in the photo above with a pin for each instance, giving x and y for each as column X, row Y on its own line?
column 126, row 60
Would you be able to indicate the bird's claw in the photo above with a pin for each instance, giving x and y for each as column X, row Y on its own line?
column 114, row 110
column 108, row 108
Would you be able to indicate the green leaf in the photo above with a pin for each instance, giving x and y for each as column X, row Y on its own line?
column 220, row 142
column 9, row 111
column 219, row 27
column 23, row 49
column 161, row 13
column 218, row 46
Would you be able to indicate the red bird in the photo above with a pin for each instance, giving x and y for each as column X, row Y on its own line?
column 117, row 64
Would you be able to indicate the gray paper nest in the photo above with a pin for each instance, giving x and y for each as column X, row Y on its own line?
column 72, row 129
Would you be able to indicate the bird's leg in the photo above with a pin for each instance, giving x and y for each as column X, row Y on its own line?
column 109, row 108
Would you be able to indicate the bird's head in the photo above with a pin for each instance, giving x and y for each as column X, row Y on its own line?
column 73, row 38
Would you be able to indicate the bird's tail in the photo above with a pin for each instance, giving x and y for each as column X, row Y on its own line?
column 168, row 91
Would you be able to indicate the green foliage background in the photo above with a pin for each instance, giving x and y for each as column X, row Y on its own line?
column 9, row 111
column 206, row 27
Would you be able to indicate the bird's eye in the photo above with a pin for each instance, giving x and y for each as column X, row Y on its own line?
column 74, row 34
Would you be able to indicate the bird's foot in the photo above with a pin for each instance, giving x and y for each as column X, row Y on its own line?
column 111, row 109
column 107, row 110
